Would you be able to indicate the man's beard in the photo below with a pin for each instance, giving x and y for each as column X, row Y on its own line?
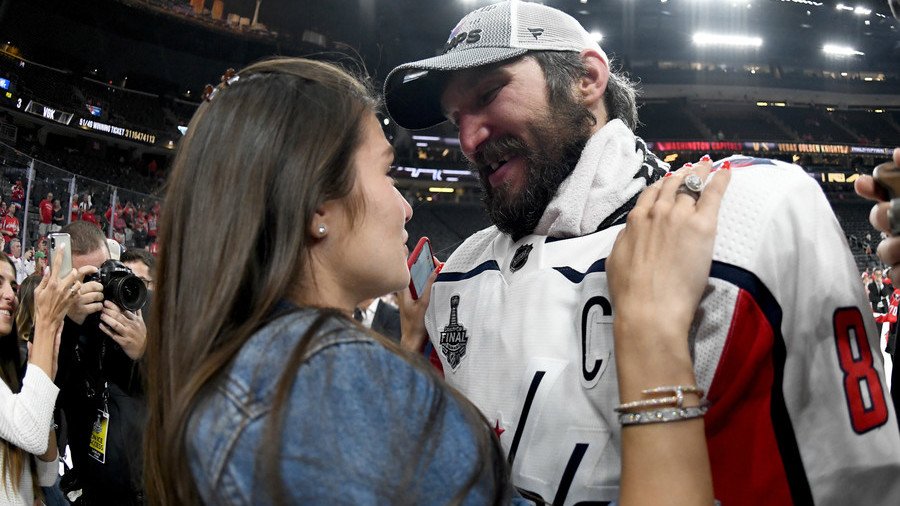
column 559, row 137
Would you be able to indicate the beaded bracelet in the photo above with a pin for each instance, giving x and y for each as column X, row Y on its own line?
column 664, row 415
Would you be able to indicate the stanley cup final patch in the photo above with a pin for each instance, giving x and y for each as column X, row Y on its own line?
column 454, row 337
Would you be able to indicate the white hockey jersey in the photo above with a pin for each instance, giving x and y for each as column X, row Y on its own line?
column 783, row 342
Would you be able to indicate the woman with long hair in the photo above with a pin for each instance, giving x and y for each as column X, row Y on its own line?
column 25, row 312
column 28, row 454
column 280, row 217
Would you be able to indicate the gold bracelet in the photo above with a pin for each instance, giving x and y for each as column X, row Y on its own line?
column 676, row 400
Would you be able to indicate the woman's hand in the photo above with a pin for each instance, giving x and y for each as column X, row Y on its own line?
column 412, row 313
column 52, row 299
column 662, row 258
column 888, row 249
column 54, row 295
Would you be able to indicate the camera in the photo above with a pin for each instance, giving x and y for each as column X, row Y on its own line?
column 120, row 285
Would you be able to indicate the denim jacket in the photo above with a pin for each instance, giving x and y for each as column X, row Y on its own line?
column 354, row 424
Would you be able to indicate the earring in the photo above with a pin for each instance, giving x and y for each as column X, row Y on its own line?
column 322, row 230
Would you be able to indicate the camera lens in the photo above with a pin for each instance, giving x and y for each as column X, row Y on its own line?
column 127, row 291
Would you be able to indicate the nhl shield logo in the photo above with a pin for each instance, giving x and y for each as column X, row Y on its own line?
column 454, row 337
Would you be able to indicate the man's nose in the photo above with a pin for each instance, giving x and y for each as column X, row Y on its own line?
column 473, row 131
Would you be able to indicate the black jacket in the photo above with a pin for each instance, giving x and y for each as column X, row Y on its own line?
column 95, row 374
column 387, row 321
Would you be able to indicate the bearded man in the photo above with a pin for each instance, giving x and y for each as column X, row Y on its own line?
column 521, row 318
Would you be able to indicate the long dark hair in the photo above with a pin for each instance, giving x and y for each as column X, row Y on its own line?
column 15, row 459
column 261, row 156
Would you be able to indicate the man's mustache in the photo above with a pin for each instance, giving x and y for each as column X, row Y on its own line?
column 498, row 149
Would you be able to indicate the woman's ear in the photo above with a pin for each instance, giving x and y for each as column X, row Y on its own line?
column 327, row 218
column 318, row 227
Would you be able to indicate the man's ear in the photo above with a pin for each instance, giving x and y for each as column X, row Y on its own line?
column 592, row 84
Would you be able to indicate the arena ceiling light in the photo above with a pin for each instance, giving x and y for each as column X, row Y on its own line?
column 713, row 39
column 597, row 36
column 835, row 50
column 804, row 2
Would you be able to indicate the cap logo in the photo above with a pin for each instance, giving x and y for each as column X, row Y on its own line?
column 470, row 37
column 536, row 32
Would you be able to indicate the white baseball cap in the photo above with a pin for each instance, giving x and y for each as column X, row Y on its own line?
column 488, row 35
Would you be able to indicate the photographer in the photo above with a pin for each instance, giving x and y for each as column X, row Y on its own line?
column 101, row 386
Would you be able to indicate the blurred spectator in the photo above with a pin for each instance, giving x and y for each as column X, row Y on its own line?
column 15, row 254
column 17, row 194
column 76, row 209
column 45, row 209
column 151, row 223
column 40, row 262
column 28, row 256
column 878, row 292
column 59, row 217
column 142, row 264
column 89, row 216
column 9, row 225
column 25, row 312
column 139, row 237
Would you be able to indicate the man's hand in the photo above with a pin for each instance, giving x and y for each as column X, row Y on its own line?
column 90, row 297
column 127, row 329
column 888, row 249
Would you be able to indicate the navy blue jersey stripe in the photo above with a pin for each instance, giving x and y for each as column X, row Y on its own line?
column 577, row 276
column 490, row 265
column 523, row 416
column 569, row 474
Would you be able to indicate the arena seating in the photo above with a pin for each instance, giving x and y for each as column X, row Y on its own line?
column 446, row 225
column 182, row 110
column 657, row 123
column 812, row 124
column 125, row 106
column 853, row 215
column 872, row 128
column 51, row 87
column 740, row 122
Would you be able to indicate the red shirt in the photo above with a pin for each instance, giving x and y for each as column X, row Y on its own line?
column 18, row 193
column 89, row 217
column 10, row 227
column 74, row 211
column 46, row 208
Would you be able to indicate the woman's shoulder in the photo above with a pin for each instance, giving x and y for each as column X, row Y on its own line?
column 299, row 335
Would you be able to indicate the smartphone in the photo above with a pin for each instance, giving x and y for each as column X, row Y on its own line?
column 61, row 244
column 421, row 265
column 887, row 181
